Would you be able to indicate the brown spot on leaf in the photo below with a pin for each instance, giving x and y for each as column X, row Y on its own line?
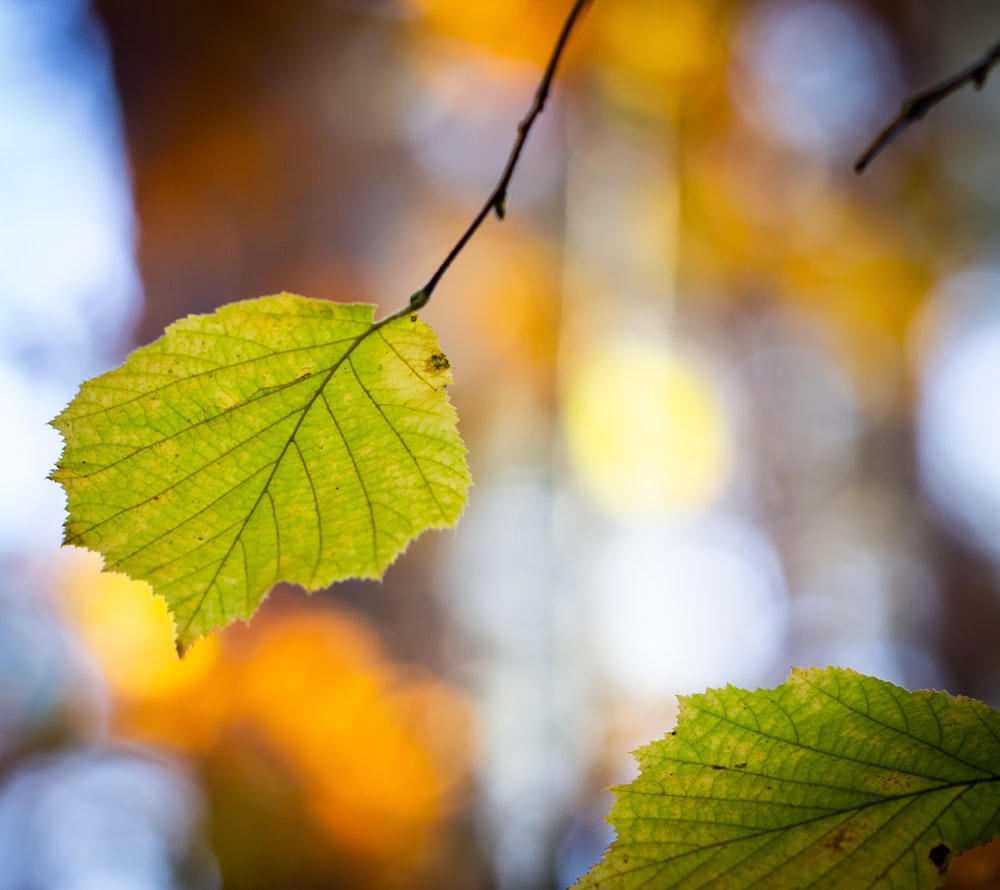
column 841, row 841
column 939, row 856
column 895, row 783
column 438, row 362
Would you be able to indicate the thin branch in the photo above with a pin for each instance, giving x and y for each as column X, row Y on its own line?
column 497, row 200
column 917, row 106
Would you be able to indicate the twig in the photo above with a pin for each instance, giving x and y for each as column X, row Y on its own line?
column 497, row 200
column 917, row 106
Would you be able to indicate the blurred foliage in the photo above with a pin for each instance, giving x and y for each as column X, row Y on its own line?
column 689, row 189
column 326, row 764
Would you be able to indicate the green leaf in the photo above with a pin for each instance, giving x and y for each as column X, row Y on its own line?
column 831, row 780
column 278, row 439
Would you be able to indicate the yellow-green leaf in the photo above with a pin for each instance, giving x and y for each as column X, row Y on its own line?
column 832, row 780
column 278, row 439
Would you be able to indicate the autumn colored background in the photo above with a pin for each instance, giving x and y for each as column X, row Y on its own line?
column 730, row 408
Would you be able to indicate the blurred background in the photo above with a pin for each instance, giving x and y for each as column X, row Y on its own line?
column 730, row 409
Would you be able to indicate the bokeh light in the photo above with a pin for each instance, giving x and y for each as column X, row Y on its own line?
column 813, row 74
column 683, row 607
column 646, row 429
column 103, row 820
column 68, row 277
column 960, row 436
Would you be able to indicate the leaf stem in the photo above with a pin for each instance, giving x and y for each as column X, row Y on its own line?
column 497, row 200
column 916, row 107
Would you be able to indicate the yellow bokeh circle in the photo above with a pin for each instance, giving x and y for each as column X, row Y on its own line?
column 646, row 429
